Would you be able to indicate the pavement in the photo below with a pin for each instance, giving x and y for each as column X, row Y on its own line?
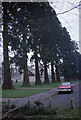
column 6, row 99
column 37, row 97
column 64, row 100
column 42, row 94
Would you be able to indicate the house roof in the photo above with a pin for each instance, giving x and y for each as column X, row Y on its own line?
column 31, row 69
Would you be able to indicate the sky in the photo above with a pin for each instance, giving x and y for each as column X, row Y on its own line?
column 70, row 19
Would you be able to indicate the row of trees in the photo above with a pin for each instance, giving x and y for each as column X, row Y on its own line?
column 35, row 27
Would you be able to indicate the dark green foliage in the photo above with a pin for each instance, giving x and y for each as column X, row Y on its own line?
column 35, row 27
column 6, row 108
column 38, row 103
column 68, row 49
column 13, row 106
column 45, row 113
column 49, row 111
column 29, row 110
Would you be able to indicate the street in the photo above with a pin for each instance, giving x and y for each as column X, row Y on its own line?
column 63, row 100
column 57, row 100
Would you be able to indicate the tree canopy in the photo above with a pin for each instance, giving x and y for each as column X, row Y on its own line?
column 35, row 27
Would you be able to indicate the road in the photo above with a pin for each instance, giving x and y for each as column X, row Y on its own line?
column 63, row 100
column 57, row 100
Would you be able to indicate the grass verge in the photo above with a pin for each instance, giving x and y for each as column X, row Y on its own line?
column 63, row 114
column 51, row 85
column 68, row 113
column 21, row 93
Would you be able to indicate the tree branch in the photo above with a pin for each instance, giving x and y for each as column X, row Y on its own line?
column 69, row 9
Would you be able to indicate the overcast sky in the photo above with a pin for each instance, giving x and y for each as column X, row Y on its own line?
column 70, row 20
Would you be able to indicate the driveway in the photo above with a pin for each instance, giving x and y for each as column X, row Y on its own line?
column 37, row 97
column 63, row 100
column 57, row 100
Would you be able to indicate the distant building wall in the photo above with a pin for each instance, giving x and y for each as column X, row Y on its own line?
column 15, row 75
column 19, row 78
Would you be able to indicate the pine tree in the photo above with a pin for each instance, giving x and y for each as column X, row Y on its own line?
column 68, row 48
column 7, row 83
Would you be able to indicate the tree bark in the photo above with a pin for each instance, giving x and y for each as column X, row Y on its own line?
column 57, row 74
column 7, row 83
column 52, row 73
column 37, row 75
column 46, row 79
column 26, row 77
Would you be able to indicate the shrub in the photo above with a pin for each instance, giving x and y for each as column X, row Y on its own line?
column 29, row 110
column 38, row 103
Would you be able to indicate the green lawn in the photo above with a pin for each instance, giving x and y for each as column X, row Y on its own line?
column 51, row 85
column 63, row 114
column 16, row 85
column 20, row 93
column 69, row 113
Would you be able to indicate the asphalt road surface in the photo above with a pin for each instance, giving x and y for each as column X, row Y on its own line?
column 64, row 100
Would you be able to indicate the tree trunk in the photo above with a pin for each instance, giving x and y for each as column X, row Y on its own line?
column 52, row 74
column 7, row 83
column 57, row 74
column 66, row 79
column 46, row 79
column 37, row 75
column 26, row 77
